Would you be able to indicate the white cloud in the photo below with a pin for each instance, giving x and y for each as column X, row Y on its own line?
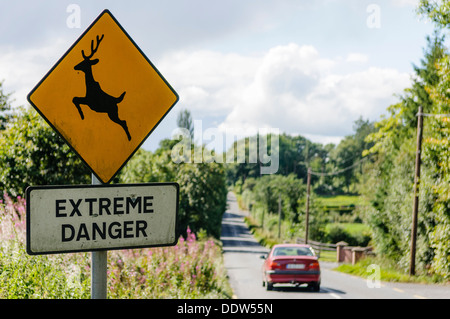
column 209, row 83
column 22, row 69
column 289, row 87
column 404, row 3
column 357, row 57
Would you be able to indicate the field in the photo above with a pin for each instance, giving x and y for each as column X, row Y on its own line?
column 341, row 200
column 351, row 228
column 340, row 203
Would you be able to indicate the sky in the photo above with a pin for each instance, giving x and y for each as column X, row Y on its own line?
column 303, row 67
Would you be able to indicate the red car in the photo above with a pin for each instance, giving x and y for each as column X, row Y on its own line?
column 291, row 263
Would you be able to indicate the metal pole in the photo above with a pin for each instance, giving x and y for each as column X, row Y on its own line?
column 412, row 265
column 308, row 189
column 98, row 266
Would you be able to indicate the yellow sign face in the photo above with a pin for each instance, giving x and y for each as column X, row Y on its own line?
column 104, row 97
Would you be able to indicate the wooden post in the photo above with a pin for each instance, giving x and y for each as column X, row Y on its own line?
column 412, row 265
column 267, row 206
column 279, row 216
column 308, row 189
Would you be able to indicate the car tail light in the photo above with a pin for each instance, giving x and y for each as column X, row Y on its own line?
column 274, row 265
column 314, row 265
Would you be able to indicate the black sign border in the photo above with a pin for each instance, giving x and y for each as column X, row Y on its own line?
column 106, row 11
column 28, row 219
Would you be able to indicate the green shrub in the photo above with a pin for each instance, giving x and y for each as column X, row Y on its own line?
column 336, row 233
column 31, row 153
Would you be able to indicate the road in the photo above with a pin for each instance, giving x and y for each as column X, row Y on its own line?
column 242, row 260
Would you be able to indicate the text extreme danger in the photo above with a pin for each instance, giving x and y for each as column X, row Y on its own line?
column 103, row 206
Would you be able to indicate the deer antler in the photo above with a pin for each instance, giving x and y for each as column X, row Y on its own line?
column 93, row 50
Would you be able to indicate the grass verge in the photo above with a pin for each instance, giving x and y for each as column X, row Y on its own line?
column 384, row 270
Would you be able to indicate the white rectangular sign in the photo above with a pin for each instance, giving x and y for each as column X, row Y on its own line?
column 63, row 219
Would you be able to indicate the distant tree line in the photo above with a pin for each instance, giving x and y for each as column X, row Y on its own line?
column 297, row 154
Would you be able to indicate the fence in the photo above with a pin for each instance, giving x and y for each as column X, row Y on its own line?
column 318, row 246
column 344, row 253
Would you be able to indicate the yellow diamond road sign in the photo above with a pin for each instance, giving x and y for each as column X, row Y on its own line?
column 104, row 97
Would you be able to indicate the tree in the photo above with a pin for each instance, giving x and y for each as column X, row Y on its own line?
column 388, row 181
column 5, row 108
column 436, row 186
column 348, row 153
column 184, row 120
column 267, row 189
column 203, row 196
column 31, row 153
column 436, row 11
column 295, row 155
column 203, row 191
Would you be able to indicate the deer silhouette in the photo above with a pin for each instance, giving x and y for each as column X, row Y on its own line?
column 96, row 98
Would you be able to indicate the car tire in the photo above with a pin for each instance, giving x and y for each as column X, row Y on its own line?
column 269, row 286
column 315, row 286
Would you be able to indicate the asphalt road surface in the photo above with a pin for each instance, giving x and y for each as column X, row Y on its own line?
column 242, row 260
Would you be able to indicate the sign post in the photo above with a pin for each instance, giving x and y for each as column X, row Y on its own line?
column 99, row 261
column 104, row 98
column 99, row 281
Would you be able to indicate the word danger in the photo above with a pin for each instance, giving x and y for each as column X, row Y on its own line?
column 103, row 206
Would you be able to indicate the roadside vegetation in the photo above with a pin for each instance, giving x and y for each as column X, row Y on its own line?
column 31, row 153
column 388, row 271
column 191, row 269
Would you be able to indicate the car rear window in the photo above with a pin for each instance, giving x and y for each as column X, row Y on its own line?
column 293, row 251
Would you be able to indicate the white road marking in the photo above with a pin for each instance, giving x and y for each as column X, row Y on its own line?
column 332, row 294
column 336, row 296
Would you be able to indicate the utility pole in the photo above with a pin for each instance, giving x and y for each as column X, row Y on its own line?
column 308, row 188
column 279, row 215
column 268, row 194
column 412, row 265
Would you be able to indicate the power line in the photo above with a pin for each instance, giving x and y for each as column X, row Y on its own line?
column 431, row 114
column 341, row 170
